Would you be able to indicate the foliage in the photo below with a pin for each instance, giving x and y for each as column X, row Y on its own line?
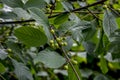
column 59, row 40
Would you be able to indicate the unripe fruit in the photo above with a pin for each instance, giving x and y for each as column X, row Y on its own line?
column 62, row 43
column 56, row 45
column 51, row 41
column 66, row 67
column 53, row 45
column 74, row 62
column 52, row 31
column 58, row 39
column 65, row 43
column 9, row 50
column 105, row 7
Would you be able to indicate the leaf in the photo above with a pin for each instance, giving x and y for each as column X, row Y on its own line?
column 34, row 3
column 21, row 71
column 71, row 74
column 42, row 19
column 64, row 27
column 67, row 6
column 3, row 54
column 89, row 47
column 86, row 73
column 39, row 16
column 109, row 23
column 22, row 14
column 114, row 45
column 2, row 68
column 61, row 19
column 7, row 15
column 13, row 3
column 103, row 64
column 101, row 77
column 50, row 58
column 30, row 36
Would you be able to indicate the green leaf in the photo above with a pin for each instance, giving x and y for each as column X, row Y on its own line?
column 89, row 47
column 65, row 27
column 101, row 77
column 7, row 15
column 2, row 68
column 109, row 23
column 61, row 19
column 42, row 19
column 39, row 16
column 21, row 71
column 3, row 54
column 114, row 45
column 50, row 58
column 15, row 49
column 34, row 3
column 13, row 3
column 86, row 73
column 22, row 14
column 71, row 74
column 103, row 64
column 30, row 36
column 67, row 6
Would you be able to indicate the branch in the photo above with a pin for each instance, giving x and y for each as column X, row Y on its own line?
column 74, row 10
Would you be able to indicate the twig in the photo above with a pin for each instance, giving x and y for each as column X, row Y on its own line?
column 2, row 77
column 74, row 10
column 65, row 54
column 94, row 14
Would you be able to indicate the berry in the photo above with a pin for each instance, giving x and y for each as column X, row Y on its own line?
column 65, row 43
column 66, row 67
column 74, row 62
column 52, row 31
column 58, row 39
column 56, row 45
column 51, row 41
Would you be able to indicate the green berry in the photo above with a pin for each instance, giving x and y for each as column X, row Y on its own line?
column 65, row 43
column 56, row 45
column 52, row 31
column 9, row 50
column 105, row 7
column 74, row 62
column 58, row 39
column 66, row 67
column 53, row 45
column 51, row 41
column 62, row 43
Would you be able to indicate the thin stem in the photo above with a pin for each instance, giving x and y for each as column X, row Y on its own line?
column 2, row 77
column 94, row 14
column 65, row 54
column 69, row 61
